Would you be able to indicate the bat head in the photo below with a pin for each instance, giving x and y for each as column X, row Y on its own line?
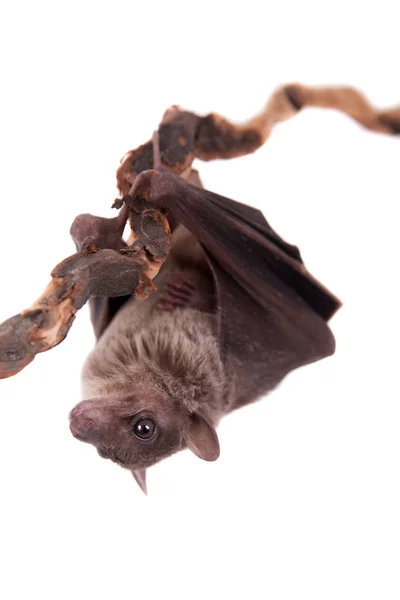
column 154, row 392
column 138, row 431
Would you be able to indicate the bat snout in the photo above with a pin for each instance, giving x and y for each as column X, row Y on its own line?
column 83, row 425
column 83, row 429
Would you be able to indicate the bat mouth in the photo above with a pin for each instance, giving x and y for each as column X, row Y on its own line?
column 115, row 459
column 103, row 454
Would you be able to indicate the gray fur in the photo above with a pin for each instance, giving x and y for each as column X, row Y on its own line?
column 158, row 363
column 176, row 353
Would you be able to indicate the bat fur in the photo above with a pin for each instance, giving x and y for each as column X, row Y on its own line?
column 235, row 308
column 164, row 363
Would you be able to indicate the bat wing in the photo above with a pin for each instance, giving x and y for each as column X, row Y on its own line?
column 271, row 310
column 103, row 310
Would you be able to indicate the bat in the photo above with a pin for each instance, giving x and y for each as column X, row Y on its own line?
column 203, row 310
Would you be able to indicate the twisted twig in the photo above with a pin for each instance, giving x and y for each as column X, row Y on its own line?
column 103, row 267
column 185, row 136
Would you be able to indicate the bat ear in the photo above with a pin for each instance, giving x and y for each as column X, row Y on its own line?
column 140, row 478
column 201, row 438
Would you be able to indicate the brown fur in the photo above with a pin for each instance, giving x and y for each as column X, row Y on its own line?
column 236, row 309
column 166, row 365
column 175, row 354
column 150, row 362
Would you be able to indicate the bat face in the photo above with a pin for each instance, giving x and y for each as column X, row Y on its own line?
column 151, row 387
column 137, row 433
column 132, row 432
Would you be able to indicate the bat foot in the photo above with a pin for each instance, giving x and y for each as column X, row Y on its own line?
column 141, row 186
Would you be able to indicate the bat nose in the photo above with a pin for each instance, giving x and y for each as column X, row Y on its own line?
column 82, row 426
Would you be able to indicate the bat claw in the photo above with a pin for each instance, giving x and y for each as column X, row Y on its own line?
column 141, row 186
column 118, row 203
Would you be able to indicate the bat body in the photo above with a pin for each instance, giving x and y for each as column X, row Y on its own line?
column 159, row 359
column 193, row 326
column 221, row 330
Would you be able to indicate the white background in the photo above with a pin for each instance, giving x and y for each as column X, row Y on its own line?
column 304, row 500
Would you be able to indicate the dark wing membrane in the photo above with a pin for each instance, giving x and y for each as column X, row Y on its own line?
column 103, row 310
column 255, row 219
column 268, row 303
column 240, row 238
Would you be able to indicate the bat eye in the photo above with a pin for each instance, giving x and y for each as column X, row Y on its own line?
column 144, row 429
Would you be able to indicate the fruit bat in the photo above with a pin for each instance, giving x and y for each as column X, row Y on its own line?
column 203, row 310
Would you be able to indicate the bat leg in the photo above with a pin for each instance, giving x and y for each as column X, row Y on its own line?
column 142, row 181
column 157, row 164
